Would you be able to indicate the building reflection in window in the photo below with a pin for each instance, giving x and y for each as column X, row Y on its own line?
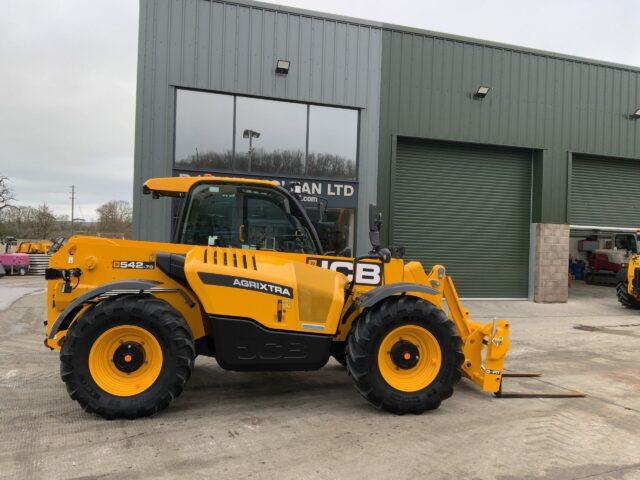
column 270, row 136
column 204, row 131
column 333, row 142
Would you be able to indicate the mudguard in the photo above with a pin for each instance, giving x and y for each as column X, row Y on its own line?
column 374, row 296
column 128, row 286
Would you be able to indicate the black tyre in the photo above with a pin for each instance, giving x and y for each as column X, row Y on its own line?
column 625, row 298
column 127, row 357
column 404, row 355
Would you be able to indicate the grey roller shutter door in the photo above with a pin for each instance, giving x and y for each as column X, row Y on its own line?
column 467, row 207
column 604, row 192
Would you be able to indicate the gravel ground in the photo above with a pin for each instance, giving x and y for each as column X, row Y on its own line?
column 315, row 425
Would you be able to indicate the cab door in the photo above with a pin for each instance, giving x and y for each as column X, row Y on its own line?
column 212, row 217
column 268, row 225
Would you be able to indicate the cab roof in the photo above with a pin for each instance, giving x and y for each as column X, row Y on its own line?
column 179, row 186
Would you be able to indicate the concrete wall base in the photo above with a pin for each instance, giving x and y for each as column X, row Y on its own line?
column 551, row 263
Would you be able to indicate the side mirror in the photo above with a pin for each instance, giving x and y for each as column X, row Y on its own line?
column 375, row 225
column 385, row 255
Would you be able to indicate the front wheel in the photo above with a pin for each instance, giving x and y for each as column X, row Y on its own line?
column 127, row 357
column 405, row 356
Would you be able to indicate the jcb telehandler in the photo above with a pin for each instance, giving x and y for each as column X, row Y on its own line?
column 246, row 281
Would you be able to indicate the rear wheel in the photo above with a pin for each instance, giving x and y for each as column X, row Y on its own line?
column 127, row 357
column 625, row 298
column 405, row 356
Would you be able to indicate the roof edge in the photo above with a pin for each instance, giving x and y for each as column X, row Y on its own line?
column 424, row 32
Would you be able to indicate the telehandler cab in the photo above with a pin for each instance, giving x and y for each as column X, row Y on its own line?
column 246, row 281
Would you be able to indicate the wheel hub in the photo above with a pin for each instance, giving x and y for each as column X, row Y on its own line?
column 405, row 355
column 129, row 357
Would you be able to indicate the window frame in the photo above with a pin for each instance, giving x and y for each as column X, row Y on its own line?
column 238, row 172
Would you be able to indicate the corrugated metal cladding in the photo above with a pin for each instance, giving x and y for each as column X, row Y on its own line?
column 231, row 47
column 604, row 192
column 406, row 83
column 467, row 207
column 537, row 100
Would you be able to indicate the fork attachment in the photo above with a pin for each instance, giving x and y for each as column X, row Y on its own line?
column 501, row 394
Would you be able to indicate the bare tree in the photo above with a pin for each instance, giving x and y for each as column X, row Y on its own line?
column 115, row 217
column 44, row 222
column 6, row 193
column 29, row 222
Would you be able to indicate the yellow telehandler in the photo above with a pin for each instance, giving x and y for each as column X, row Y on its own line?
column 247, row 282
column 628, row 283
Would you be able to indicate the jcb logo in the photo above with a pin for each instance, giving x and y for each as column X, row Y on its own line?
column 366, row 273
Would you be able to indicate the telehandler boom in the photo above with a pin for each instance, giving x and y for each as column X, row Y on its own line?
column 246, row 281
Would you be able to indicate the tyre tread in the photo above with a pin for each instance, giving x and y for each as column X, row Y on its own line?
column 362, row 344
column 625, row 298
column 149, row 310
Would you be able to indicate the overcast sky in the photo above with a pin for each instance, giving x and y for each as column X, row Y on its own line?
column 68, row 75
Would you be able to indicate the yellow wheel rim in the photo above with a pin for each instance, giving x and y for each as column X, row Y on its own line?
column 409, row 358
column 125, row 360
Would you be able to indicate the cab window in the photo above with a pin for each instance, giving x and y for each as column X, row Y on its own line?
column 270, row 223
column 626, row 242
column 245, row 217
column 211, row 213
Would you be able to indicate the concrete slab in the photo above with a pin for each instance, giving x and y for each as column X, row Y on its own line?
column 316, row 426
column 14, row 287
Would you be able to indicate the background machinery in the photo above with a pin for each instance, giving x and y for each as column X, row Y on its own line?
column 628, row 287
column 604, row 252
column 13, row 263
column 246, row 281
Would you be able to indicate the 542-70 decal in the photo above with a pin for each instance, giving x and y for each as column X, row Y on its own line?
column 366, row 273
column 133, row 265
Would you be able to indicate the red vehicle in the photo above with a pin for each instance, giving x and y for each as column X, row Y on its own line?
column 605, row 263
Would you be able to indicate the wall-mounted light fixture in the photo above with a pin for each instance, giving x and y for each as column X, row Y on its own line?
column 635, row 115
column 482, row 91
column 282, row 67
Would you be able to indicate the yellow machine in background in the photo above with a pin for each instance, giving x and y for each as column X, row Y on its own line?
column 40, row 246
column 246, row 282
column 628, row 287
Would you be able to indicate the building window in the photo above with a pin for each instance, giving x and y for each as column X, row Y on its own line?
column 270, row 136
column 204, row 131
column 333, row 134
column 316, row 146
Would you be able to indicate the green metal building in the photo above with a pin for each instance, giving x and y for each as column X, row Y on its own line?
column 480, row 155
